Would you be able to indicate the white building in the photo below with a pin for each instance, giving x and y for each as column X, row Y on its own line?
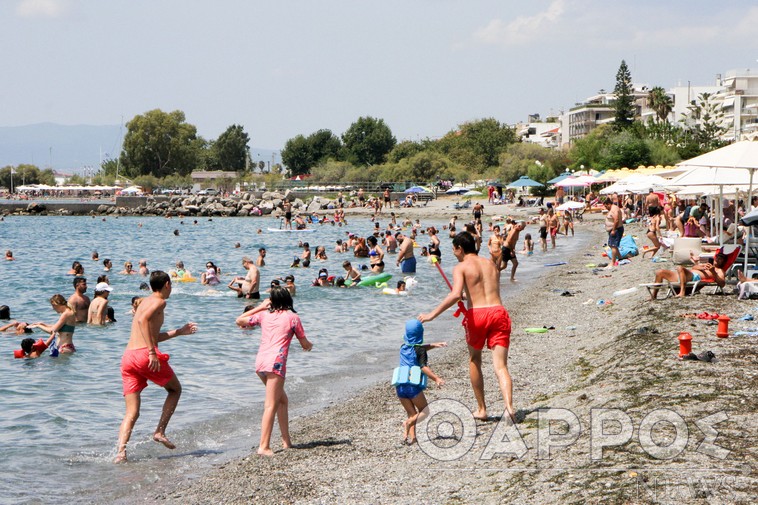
column 597, row 110
column 740, row 103
column 543, row 134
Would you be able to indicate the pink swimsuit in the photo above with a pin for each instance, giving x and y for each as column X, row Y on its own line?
column 277, row 330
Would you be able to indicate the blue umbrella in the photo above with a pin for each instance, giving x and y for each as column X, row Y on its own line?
column 524, row 181
column 417, row 189
column 559, row 178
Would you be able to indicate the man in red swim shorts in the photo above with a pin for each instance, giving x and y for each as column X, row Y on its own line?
column 486, row 322
column 142, row 361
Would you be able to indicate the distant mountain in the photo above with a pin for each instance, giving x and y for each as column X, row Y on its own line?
column 72, row 148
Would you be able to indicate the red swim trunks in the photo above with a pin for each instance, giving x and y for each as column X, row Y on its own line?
column 488, row 325
column 135, row 372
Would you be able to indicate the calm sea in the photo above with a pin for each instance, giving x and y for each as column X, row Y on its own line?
column 60, row 416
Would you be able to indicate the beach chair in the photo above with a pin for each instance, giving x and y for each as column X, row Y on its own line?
column 731, row 256
column 670, row 289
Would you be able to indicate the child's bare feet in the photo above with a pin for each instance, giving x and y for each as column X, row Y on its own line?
column 161, row 439
column 120, row 457
column 265, row 452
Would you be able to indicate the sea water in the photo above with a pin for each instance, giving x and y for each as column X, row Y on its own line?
column 59, row 417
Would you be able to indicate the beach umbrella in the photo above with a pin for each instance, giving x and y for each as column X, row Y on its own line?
column 559, row 178
column 582, row 180
column 456, row 191
column 570, row 205
column 472, row 193
column 496, row 184
column 417, row 189
column 524, row 182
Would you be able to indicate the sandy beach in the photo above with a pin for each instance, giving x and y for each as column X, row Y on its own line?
column 621, row 355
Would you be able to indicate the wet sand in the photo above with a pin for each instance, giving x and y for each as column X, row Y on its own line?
column 622, row 355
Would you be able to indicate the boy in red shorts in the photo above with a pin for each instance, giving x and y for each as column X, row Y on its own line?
column 486, row 320
column 142, row 361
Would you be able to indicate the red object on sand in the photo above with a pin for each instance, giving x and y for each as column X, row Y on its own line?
column 685, row 344
column 723, row 328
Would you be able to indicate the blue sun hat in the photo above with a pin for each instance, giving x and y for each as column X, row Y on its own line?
column 414, row 332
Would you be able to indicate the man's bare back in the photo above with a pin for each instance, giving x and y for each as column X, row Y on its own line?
column 480, row 281
column 147, row 322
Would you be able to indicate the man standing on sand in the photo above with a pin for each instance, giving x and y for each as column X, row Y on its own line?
column 142, row 361
column 509, row 249
column 405, row 258
column 486, row 321
column 615, row 229
column 79, row 302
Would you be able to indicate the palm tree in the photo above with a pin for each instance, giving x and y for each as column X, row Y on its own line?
column 661, row 103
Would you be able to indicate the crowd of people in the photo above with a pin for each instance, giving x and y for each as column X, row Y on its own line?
column 476, row 279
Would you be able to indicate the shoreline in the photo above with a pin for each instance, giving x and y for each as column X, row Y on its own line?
column 622, row 356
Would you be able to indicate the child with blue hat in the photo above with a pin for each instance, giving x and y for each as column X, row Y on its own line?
column 410, row 377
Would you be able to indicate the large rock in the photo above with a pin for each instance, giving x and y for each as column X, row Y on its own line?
column 314, row 205
column 266, row 208
column 36, row 208
column 272, row 195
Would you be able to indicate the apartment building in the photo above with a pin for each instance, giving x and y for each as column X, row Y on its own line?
column 739, row 96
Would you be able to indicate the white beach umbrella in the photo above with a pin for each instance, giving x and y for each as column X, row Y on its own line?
column 570, row 205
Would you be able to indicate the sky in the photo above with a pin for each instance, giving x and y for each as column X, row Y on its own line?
column 289, row 67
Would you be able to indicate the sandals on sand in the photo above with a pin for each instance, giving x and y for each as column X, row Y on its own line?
column 706, row 356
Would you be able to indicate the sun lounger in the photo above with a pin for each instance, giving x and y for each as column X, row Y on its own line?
column 671, row 289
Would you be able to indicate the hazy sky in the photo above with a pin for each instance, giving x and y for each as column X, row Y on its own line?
column 282, row 67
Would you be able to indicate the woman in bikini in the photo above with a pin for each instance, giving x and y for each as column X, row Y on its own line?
column 375, row 254
column 652, row 234
column 65, row 325
column 434, row 247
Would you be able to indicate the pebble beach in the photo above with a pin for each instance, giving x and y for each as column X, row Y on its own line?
column 621, row 354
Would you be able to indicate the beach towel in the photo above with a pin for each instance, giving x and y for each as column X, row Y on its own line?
column 627, row 248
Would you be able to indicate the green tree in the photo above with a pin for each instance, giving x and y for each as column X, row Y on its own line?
column 76, row 180
column 297, row 156
column 147, row 182
column 231, row 148
column 368, row 141
column 324, row 145
column 404, row 149
column 624, row 149
column 624, row 103
column 47, row 177
column 704, row 125
column 661, row 103
column 25, row 174
column 159, row 144
column 331, row 171
column 428, row 166
column 588, row 151
column 478, row 144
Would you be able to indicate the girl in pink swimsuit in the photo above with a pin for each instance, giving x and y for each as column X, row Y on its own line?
column 279, row 323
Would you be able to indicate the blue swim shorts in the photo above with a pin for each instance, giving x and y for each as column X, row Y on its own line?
column 615, row 239
column 408, row 265
column 408, row 391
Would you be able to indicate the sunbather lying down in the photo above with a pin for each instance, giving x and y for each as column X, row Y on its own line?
column 700, row 271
